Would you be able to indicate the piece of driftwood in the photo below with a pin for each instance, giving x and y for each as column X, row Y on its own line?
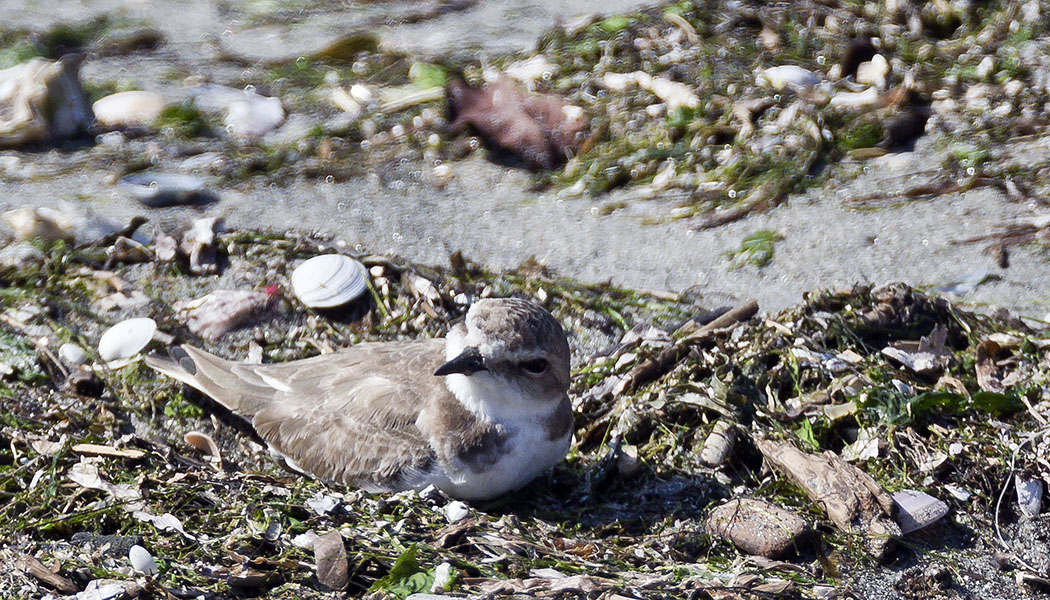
column 32, row 566
column 853, row 500
column 669, row 357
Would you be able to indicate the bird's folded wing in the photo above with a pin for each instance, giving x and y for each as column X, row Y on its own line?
column 353, row 418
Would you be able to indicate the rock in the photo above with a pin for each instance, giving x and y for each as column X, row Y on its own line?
column 20, row 255
column 985, row 68
column 330, row 556
column 295, row 129
column 757, row 527
column 69, row 223
column 42, row 101
column 72, row 355
column 246, row 114
column 29, row 223
column 916, row 509
column 129, row 109
column 215, row 314
column 167, row 189
column 627, row 461
column 253, row 116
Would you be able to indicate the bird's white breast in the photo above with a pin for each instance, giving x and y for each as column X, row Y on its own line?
column 528, row 451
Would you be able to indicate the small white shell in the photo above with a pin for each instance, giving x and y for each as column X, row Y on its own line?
column 1029, row 495
column 202, row 442
column 126, row 339
column 142, row 561
column 72, row 354
column 456, row 511
column 787, row 76
column 328, row 280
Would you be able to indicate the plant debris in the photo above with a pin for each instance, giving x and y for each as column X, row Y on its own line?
column 656, row 382
column 852, row 499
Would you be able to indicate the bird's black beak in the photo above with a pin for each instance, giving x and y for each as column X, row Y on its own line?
column 467, row 363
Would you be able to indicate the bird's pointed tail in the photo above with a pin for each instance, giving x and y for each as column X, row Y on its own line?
column 227, row 382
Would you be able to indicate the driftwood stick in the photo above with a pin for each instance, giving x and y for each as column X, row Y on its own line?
column 669, row 357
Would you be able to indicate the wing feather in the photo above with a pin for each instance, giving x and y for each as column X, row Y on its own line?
column 352, row 416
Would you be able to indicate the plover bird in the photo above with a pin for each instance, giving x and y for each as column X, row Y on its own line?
column 477, row 414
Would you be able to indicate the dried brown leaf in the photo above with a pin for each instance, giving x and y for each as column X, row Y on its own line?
column 542, row 130
column 989, row 375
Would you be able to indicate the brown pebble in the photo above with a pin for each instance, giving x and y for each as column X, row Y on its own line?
column 757, row 527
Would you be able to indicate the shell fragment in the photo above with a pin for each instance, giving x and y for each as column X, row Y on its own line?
column 126, row 339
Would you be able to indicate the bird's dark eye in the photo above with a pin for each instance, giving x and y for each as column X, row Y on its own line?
column 535, row 366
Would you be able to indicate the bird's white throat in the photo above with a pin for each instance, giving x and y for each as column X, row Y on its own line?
column 491, row 398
